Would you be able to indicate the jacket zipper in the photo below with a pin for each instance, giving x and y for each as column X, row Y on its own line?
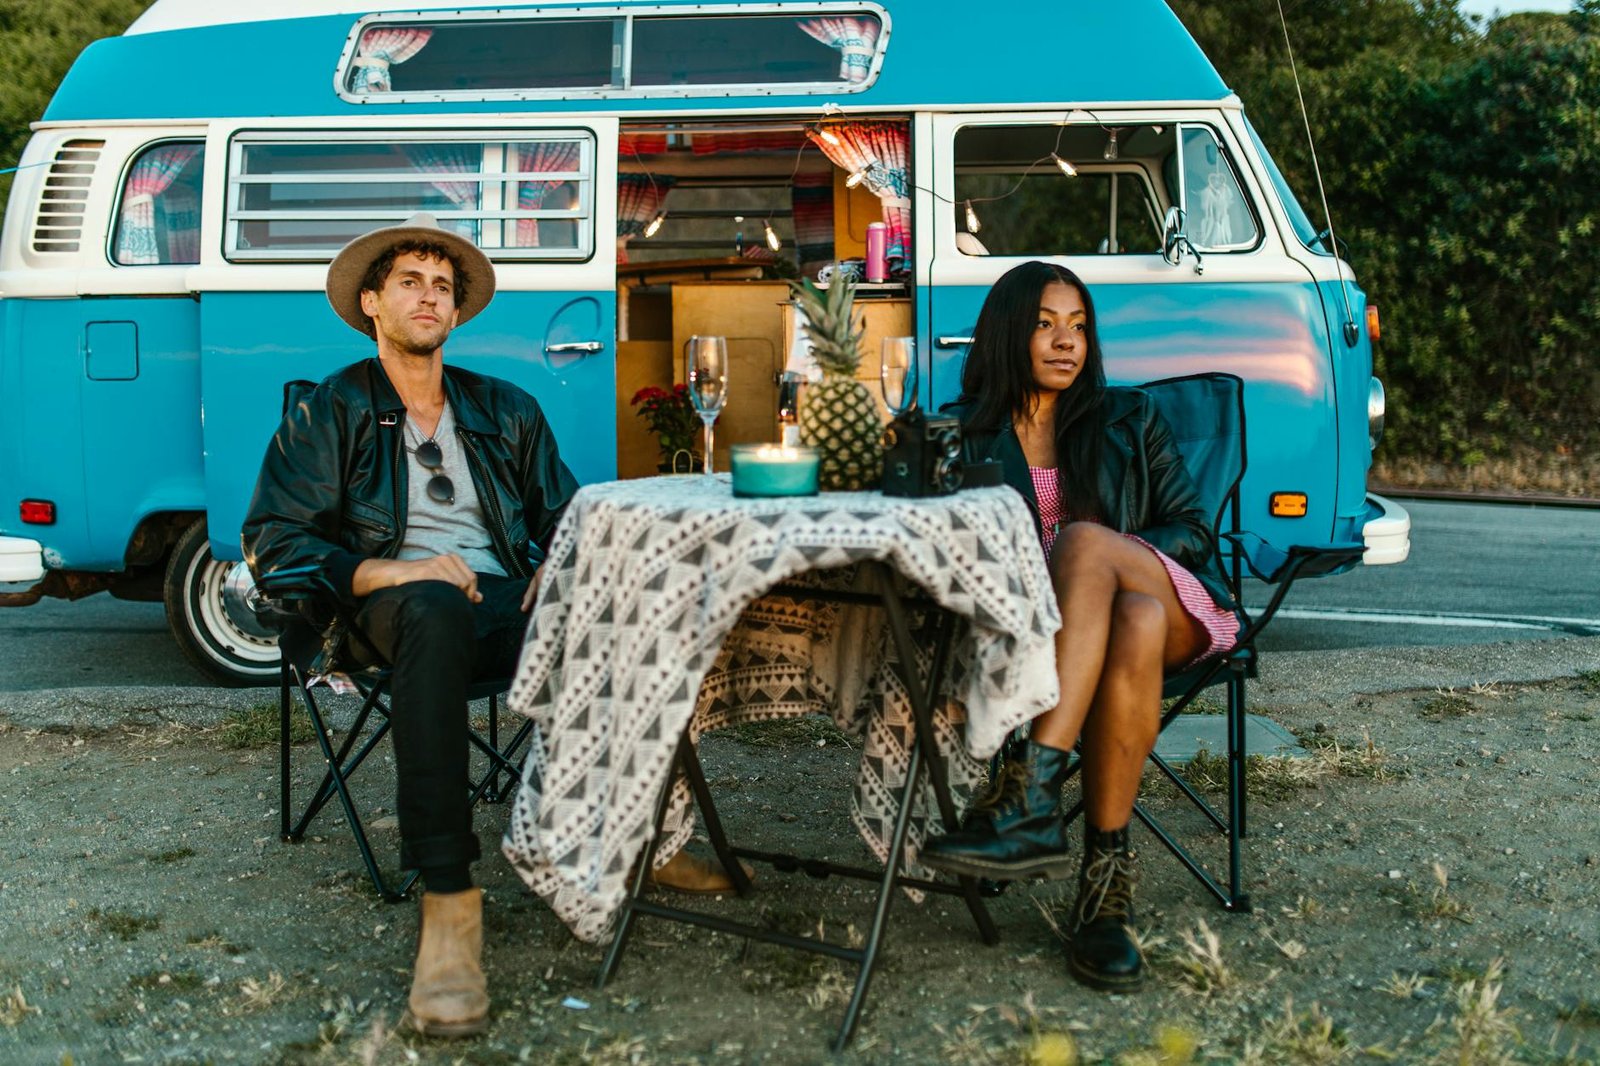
column 394, row 482
column 492, row 500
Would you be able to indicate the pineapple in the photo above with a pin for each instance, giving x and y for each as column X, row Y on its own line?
column 838, row 415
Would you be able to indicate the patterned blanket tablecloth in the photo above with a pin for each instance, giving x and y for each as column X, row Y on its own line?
column 651, row 617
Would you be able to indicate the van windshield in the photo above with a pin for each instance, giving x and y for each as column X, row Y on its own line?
column 1299, row 221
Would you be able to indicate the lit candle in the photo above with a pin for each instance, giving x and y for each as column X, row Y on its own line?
column 774, row 470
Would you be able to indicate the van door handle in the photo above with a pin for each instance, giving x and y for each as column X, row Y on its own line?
column 951, row 342
column 584, row 347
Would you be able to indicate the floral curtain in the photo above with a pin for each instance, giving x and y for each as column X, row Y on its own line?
column 151, row 176
column 451, row 159
column 378, row 50
column 640, row 197
column 881, row 149
column 855, row 38
column 545, row 157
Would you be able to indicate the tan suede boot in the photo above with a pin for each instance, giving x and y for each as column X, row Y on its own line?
column 449, row 996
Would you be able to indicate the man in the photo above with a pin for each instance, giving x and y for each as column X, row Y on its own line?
column 425, row 496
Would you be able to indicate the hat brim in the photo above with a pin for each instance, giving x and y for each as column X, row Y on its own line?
column 350, row 266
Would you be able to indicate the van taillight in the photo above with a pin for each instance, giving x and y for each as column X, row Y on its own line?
column 38, row 512
column 1374, row 327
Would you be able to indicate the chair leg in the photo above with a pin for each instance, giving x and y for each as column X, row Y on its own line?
column 689, row 759
column 1236, row 788
column 284, row 718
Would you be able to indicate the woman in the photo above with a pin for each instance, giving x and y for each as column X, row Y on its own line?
column 1132, row 560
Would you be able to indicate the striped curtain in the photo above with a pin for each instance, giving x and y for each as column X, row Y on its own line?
column 452, row 159
column 888, row 146
column 856, row 39
column 151, row 176
column 640, row 197
column 545, row 157
column 379, row 49
column 812, row 198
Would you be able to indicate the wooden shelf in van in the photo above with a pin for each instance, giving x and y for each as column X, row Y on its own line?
column 729, row 268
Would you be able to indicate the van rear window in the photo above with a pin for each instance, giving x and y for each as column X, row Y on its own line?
column 504, row 55
column 298, row 197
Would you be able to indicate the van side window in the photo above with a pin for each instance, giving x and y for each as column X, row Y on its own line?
column 1026, row 203
column 1219, row 218
column 299, row 197
column 507, row 55
column 158, row 211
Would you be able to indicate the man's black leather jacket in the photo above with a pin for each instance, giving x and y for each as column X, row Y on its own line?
column 332, row 489
column 1143, row 482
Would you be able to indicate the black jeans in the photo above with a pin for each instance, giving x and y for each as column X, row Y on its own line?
column 438, row 642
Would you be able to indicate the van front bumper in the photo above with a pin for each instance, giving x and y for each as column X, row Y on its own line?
column 1386, row 532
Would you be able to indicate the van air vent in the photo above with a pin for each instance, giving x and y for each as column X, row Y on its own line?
column 66, row 191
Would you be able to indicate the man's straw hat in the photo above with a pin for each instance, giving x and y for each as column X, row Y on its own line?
column 350, row 266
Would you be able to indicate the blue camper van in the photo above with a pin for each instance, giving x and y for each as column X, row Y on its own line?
column 639, row 172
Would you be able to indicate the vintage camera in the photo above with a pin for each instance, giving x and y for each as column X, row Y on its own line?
column 922, row 455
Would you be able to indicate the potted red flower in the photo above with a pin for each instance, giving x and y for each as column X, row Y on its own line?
column 671, row 417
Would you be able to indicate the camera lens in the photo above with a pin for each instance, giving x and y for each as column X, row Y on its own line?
column 946, row 475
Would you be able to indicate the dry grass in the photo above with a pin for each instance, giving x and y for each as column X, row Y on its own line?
column 257, row 995
column 1303, row 1039
column 1530, row 470
column 1404, row 986
column 259, row 725
column 1446, row 703
column 1482, row 1033
column 1205, row 972
column 14, row 1007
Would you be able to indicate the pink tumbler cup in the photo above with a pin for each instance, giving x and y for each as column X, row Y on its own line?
column 877, row 249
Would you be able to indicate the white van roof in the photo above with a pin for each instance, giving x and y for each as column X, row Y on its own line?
column 188, row 14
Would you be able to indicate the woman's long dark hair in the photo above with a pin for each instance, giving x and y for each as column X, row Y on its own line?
column 997, row 380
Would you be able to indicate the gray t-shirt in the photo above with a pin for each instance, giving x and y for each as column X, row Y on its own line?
column 435, row 528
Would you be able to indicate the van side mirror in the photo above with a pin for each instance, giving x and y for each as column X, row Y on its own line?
column 1175, row 244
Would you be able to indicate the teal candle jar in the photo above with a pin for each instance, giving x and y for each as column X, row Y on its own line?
column 774, row 470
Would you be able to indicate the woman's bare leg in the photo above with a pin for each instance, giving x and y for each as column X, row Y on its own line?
column 1090, row 566
column 1126, row 713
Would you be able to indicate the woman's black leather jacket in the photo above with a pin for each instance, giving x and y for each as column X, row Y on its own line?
column 1143, row 482
column 332, row 488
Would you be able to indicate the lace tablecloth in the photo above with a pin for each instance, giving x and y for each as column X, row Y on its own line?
column 648, row 616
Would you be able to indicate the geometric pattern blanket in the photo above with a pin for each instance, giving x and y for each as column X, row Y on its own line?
column 651, row 618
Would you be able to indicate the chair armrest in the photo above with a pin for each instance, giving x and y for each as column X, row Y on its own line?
column 1283, row 567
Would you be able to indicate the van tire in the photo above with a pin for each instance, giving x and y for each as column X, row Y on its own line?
column 209, row 617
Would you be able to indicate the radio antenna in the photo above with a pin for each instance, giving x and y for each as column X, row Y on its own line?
column 1350, row 333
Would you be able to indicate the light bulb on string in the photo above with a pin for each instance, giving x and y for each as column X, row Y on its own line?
column 1065, row 166
column 654, row 225
column 973, row 225
column 1111, row 145
column 772, row 237
column 828, row 136
column 858, row 176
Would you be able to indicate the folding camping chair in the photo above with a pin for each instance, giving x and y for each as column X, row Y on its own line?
column 1206, row 413
column 299, row 605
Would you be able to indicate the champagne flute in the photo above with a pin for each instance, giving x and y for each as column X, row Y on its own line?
column 898, row 374
column 706, row 360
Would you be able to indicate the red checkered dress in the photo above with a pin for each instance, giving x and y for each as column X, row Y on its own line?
column 1222, row 625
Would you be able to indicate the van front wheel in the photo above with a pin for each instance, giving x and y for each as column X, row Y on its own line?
column 209, row 614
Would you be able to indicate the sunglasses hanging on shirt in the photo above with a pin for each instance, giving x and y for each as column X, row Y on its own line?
column 440, row 488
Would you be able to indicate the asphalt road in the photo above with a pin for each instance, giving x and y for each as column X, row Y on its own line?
column 1477, row 574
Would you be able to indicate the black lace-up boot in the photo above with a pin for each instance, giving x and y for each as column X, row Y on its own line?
column 1102, row 953
column 1016, row 830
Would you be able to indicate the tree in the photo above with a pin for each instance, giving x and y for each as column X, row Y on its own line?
column 39, row 39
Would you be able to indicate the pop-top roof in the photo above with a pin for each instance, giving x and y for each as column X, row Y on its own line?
column 202, row 59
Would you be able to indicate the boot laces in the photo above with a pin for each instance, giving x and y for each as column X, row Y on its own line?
column 1010, row 789
column 1106, row 889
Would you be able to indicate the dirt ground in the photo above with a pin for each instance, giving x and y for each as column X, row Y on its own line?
column 1426, row 888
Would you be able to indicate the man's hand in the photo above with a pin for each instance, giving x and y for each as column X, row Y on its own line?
column 375, row 574
column 533, row 590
